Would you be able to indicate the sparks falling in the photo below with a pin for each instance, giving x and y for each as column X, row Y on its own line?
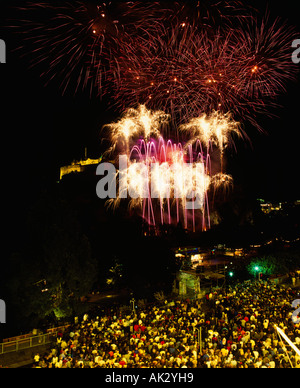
column 169, row 182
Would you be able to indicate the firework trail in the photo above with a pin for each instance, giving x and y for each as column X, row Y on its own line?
column 79, row 42
column 159, row 181
column 187, row 72
column 186, row 58
column 180, row 71
column 197, row 68
column 215, row 129
column 63, row 42
column 135, row 123
column 161, row 175
column 265, row 58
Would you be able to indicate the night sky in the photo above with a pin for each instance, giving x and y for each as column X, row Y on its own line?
column 42, row 130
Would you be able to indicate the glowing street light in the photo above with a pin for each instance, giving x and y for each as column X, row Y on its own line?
column 257, row 269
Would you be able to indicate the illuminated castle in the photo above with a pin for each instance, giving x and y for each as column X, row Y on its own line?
column 79, row 166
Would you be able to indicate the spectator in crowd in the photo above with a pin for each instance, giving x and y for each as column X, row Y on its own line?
column 237, row 328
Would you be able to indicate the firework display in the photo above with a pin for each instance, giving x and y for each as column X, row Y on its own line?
column 191, row 71
column 214, row 129
column 186, row 58
column 164, row 187
column 80, row 42
column 169, row 182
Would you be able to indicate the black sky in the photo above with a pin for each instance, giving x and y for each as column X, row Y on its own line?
column 42, row 130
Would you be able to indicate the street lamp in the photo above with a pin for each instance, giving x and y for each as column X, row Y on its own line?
column 257, row 270
column 132, row 301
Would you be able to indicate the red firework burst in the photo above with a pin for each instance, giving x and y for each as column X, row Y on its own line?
column 61, row 41
column 79, row 42
column 187, row 71
column 264, row 52
column 187, row 58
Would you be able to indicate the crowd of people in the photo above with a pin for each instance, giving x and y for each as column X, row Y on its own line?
column 226, row 329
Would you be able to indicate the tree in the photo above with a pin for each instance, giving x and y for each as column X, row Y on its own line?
column 267, row 265
column 56, row 267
